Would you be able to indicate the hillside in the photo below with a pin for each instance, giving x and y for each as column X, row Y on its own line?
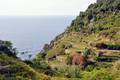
column 92, row 41
column 99, row 24
column 89, row 49
column 13, row 68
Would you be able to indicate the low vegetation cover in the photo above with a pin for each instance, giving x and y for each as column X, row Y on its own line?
column 93, row 35
column 89, row 49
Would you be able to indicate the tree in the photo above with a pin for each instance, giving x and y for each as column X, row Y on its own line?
column 7, row 48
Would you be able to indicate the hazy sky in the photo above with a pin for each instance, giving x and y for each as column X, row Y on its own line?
column 42, row 7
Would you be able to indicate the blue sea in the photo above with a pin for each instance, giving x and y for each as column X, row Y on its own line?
column 30, row 33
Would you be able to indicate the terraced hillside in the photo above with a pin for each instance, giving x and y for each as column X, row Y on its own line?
column 94, row 35
column 89, row 49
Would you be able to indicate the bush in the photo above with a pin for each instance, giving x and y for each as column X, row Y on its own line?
column 89, row 68
column 101, row 45
column 51, row 54
column 67, row 46
column 2, row 77
column 42, row 66
column 116, row 66
column 102, row 74
column 38, row 57
column 113, row 47
column 86, row 52
column 6, row 47
column 107, row 46
column 69, row 71
column 69, row 59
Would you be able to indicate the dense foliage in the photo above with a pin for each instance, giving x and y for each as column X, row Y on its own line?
column 6, row 47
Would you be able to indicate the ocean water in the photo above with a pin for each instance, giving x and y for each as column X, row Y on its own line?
column 30, row 33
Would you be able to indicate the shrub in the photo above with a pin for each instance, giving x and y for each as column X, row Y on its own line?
column 69, row 71
column 101, row 45
column 51, row 54
column 113, row 47
column 117, row 66
column 2, row 77
column 69, row 59
column 67, row 46
column 107, row 46
column 102, row 74
column 6, row 47
column 42, row 66
column 86, row 52
column 38, row 57
column 89, row 68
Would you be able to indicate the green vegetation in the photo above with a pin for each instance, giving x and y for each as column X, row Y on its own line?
column 68, row 71
column 14, row 69
column 108, row 46
column 95, row 33
column 6, row 47
column 86, row 52
column 93, row 37
column 69, row 59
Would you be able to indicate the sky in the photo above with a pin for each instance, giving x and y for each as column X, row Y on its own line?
column 43, row 7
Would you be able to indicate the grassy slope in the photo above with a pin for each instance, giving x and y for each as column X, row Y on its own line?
column 99, row 23
column 105, row 28
column 16, row 69
column 80, row 41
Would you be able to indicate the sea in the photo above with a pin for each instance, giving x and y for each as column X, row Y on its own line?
column 29, row 33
